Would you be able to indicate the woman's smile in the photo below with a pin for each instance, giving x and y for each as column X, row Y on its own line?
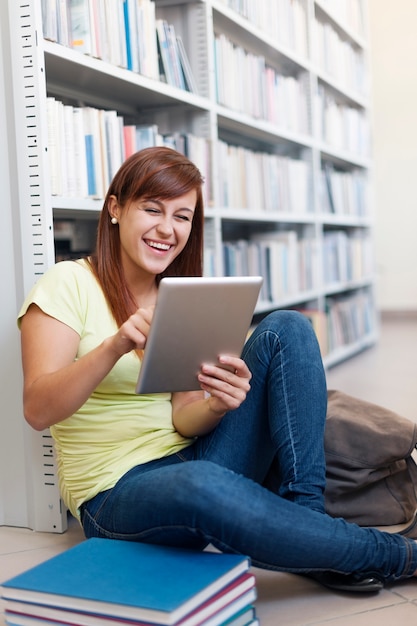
column 158, row 245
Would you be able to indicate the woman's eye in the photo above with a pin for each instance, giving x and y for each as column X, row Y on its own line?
column 185, row 218
column 152, row 210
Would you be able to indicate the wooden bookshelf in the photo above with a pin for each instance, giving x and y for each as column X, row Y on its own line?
column 271, row 104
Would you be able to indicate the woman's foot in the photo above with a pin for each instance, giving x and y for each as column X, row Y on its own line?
column 353, row 583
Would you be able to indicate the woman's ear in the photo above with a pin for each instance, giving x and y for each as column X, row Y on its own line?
column 113, row 209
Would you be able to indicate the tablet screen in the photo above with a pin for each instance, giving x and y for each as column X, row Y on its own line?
column 195, row 320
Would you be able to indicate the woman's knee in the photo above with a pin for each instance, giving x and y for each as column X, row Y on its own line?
column 290, row 327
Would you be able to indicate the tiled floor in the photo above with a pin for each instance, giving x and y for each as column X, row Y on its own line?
column 385, row 374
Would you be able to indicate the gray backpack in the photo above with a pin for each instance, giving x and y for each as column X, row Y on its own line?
column 371, row 475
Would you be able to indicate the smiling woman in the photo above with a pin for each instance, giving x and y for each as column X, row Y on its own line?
column 238, row 463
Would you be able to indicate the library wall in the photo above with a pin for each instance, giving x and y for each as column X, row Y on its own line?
column 394, row 93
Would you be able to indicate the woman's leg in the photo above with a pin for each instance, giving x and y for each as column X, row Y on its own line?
column 194, row 503
column 280, row 426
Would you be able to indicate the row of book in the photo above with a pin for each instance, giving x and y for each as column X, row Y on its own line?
column 289, row 264
column 262, row 181
column 86, row 147
column 338, row 57
column 349, row 319
column 265, row 93
column 349, row 12
column 113, row 582
column 341, row 126
column 346, row 320
column 346, row 256
column 282, row 20
column 125, row 33
column 343, row 192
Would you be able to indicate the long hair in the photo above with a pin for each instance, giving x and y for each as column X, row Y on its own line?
column 157, row 173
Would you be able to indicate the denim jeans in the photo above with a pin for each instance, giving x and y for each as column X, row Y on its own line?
column 254, row 485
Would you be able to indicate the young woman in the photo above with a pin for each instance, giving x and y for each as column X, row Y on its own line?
column 239, row 464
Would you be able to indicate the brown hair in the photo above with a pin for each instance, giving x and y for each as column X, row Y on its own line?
column 157, row 173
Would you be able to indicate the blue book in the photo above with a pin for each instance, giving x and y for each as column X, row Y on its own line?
column 127, row 580
column 91, row 176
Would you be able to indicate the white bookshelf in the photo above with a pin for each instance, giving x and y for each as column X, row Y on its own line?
column 287, row 118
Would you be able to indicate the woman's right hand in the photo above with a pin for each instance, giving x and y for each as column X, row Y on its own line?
column 132, row 335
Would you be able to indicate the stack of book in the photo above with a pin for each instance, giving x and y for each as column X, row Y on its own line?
column 111, row 582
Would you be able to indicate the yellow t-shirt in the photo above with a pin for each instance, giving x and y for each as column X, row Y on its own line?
column 115, row 429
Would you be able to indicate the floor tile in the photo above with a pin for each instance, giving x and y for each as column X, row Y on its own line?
column 290, row 600
column 399, row 614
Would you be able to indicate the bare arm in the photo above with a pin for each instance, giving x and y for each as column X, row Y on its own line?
column 56, row 385
column 194, row 415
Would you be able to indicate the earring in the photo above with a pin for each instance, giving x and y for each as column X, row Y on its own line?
column 114, row 220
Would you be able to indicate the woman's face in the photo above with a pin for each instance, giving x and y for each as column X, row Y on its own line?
column 153, row 232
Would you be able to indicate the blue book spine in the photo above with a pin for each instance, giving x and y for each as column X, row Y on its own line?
column 127, row 35
column 91, row 175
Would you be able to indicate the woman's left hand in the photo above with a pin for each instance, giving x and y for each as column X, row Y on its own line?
column 227, row 383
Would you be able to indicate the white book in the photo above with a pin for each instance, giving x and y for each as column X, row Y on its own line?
column 114, row 143
column 54, row 144
column 298, row 178
column 50, row 20
column 286, row 270
column 93, row 152
column 166, row 68
column 81, row 36
column 146, row 136
column 148, row 50
column 118, row 29
column 68, row 166
column 112, row 33
column 190, row 83
column 96, row 43
column 80, row 158
column 174, row 56
column 63, row 22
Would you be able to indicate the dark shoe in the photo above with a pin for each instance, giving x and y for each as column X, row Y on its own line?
column 353, row 583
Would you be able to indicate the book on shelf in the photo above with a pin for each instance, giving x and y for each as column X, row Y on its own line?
column 174, row 56
column 283, row 261
column 132, row 55
column 147, row 135
column 165, row 70
column 117, row 580
column 190, row 83
column 319, row 322
column 174, row 67
column 80, row 26
column 93, row 151
column 350, row 318
column 50, row 19
column 60, row 19
column 147, row 44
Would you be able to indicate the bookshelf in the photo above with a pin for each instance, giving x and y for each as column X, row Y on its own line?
column 271, row 99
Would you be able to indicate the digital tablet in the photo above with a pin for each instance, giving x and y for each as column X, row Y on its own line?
column 195, row 320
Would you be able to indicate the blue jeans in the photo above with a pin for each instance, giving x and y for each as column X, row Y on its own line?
column 255, row 484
